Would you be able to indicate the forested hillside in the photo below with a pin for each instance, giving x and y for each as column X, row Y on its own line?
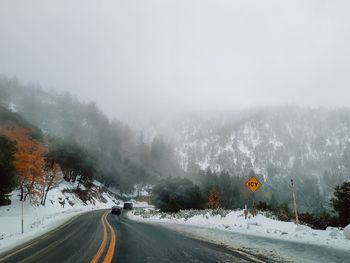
column 119, row 156
column 217, row 152
column 272, row 141
column 311, row 146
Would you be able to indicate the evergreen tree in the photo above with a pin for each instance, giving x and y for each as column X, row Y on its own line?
column 341, row 202
column 8, row 179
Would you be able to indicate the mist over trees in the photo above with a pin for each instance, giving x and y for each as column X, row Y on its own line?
column 85, row 143
column 77, row 139
column 74, row 161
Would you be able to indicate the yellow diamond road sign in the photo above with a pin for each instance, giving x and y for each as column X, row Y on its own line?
column 253, row 184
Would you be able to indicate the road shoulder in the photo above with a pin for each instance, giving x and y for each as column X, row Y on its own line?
column 264, row 248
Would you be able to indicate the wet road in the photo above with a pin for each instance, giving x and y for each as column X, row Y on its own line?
column 101, row 237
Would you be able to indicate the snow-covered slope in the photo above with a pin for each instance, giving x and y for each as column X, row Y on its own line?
column 61, row 205
column 277, row 138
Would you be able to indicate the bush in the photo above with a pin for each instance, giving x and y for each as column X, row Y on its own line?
column 4, row 202
column 263, row 206
column 319, row 221
column 174, row 194
column 282, row 212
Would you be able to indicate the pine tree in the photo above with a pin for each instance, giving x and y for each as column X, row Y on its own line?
column 341, row 202
column 8, row 179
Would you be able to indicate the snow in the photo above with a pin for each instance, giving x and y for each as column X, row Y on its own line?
column 346, row 231
column 12, row 107
column 60, row 207
column 261, row 226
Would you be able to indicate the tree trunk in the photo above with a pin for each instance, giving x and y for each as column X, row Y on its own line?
column 42, row 195
column 22, row 191
column 47, row 190
column 29, row 190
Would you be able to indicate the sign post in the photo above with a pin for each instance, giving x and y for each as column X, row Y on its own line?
column 253, row 184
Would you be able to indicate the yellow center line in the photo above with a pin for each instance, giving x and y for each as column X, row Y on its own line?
column 110, row 252
column 104, row 242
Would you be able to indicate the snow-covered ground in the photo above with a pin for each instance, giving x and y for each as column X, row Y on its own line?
column 226, row 227
column 59, row 208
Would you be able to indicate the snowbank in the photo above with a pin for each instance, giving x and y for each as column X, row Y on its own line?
column 60, row 207
column 347, row 231
column 234, row 221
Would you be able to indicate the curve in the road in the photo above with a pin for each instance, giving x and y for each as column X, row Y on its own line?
column 111, row 248
column 92, row 237
column 102, row 247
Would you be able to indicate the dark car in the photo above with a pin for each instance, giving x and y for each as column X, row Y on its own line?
column 116, row 210
column 128, row 205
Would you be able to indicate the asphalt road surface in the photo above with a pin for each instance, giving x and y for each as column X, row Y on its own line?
column 101, row 237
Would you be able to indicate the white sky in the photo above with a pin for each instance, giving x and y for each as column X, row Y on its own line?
column 138, row 57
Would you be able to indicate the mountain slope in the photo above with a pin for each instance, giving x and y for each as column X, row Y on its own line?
column 270, row 140
column 121, row 156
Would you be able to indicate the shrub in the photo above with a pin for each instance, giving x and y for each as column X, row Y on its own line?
column 174, row 194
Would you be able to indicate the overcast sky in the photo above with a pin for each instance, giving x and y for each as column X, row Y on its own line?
column 143, row 56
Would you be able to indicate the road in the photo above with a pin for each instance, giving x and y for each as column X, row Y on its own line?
column 101, row 237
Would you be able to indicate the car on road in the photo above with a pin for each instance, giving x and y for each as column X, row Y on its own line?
column 128, row 205
column 116, row 210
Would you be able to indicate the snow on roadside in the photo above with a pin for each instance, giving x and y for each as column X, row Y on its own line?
column 59, row 208
column 234, row 221
column 346, row 232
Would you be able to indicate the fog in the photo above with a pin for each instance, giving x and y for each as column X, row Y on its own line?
column 139, row 58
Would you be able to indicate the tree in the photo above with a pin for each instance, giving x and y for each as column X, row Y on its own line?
column 52, row 178
column 162, row 158
column 341, row 202
column 8, row 179
column 174, row 194
column 214, row 199
column 29, row 160
column 76, row 163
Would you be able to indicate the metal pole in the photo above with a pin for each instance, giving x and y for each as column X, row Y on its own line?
column 22, row 216
column 294, row 203
column 253, row 200
column 254, row 214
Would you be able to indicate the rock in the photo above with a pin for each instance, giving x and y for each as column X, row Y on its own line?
column 346, row 232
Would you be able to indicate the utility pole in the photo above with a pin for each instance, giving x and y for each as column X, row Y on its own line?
column 22, row 216
column 294, row 203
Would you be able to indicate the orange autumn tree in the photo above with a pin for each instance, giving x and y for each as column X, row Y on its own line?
column 214, row 199
column 29, row 160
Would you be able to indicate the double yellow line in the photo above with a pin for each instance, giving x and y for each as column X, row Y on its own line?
column 112, row 242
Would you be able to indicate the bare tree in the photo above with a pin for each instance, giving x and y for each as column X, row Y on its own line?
column 52, row 178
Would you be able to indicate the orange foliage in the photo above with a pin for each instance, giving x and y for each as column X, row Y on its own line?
column 29, row 159
column 214, row 198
